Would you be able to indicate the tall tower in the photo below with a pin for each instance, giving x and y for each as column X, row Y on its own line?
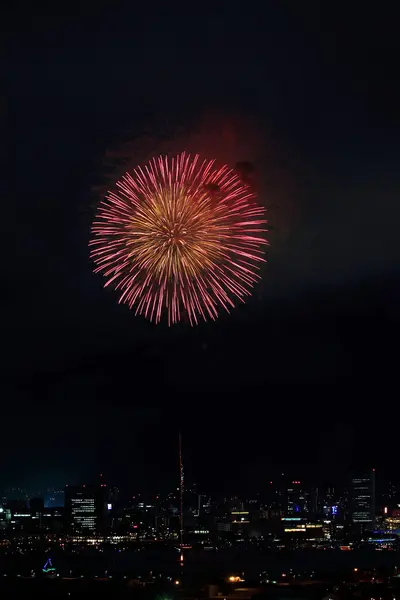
column 182, row 487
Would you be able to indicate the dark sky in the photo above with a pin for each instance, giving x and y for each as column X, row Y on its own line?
column 303, row 373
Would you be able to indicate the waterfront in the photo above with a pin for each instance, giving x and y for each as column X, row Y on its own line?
column 163, row 563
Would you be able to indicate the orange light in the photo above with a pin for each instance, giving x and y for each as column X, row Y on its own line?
column 355, row 569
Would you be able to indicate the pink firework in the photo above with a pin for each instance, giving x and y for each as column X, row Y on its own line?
column 179, row 236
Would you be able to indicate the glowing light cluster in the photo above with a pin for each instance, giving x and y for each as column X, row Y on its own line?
column 179, row 236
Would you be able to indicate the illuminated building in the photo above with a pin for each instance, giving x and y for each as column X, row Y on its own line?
column 85, row 508
column 363, row 499
column 240, row 519
column 296, row 527
column 330, row 512
column 297, row 499
column 239, row 516
column 333, row 530
column 392, row 523
column 5, row 516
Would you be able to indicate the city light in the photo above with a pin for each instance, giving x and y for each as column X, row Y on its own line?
column 95, row 517
column 235, row 579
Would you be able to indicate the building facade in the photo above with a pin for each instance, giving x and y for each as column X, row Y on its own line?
column 85, row 509
column 362, row 499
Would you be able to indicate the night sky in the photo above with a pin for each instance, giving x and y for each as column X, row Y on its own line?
column 303, row 377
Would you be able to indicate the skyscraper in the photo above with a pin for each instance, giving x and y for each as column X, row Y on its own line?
column 297, row 499
column 85, row 508
column 362, row 499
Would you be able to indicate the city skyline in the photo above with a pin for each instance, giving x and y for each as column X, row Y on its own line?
column 383, row 487
column 359, row 505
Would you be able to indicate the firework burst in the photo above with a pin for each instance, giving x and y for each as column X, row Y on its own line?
column 179, row 236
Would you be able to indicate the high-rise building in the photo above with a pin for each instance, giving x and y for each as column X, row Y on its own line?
column 297, row 499
column 85, row 508
column 362, row 499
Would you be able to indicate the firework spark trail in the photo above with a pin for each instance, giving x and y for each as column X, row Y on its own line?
column 170, row 245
